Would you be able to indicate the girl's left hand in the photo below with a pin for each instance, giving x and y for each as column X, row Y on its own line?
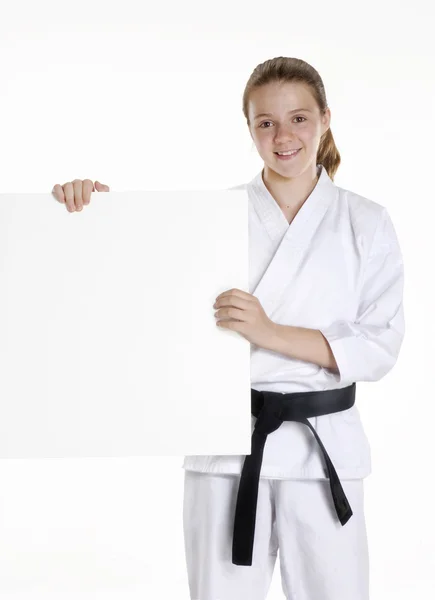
column 247, row 317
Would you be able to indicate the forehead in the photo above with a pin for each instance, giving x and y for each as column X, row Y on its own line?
column 280, row 97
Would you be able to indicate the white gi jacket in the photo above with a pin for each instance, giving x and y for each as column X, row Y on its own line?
column 338, row 268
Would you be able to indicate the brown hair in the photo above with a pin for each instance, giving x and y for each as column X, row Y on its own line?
column 285, row 69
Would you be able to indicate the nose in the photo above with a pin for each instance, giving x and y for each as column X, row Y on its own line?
column 284, row 134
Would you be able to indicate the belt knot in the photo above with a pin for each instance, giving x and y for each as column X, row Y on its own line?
column 270, row 416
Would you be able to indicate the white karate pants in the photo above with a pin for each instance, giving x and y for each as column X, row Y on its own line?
column 319, row 558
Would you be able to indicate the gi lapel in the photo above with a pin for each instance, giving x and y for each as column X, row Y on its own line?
column 296, row 237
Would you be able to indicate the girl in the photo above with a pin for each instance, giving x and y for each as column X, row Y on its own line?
column 325, row 310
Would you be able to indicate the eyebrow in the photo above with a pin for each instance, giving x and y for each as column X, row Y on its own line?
column 289, row 112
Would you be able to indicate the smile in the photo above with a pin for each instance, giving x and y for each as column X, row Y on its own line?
column 287, row 156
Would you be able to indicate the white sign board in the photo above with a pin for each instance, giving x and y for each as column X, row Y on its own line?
column 108, row 340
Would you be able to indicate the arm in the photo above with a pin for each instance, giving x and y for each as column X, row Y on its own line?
column 303, row 344
column 367, row 349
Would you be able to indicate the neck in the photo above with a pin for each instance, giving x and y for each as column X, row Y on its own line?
column 290, row 192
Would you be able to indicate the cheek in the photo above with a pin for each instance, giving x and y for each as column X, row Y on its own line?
column 311, row 132
column 306, row 133
column 263, row 142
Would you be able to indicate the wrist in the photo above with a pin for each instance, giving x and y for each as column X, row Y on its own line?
column 274, row 341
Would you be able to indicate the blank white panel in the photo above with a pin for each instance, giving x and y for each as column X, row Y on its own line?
column 108, row 340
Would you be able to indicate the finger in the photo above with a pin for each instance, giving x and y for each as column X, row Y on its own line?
column 235, row 292
column 78, row 194
column 87, row 189
column 101, row 187
column 237, row 326
column 57, row 192
column 233, row 313
column 236, row 301
column 68, row 191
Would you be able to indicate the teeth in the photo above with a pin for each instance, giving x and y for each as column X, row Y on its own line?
column 287, row 153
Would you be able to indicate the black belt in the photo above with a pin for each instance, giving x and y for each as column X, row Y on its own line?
column 271, row 409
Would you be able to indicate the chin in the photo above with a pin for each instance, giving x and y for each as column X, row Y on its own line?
column 284, row 168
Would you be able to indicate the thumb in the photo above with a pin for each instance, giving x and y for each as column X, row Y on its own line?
column 101, row 187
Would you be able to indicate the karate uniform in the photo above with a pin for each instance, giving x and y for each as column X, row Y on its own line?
column 337, row 268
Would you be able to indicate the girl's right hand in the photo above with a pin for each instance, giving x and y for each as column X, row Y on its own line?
column 76, row 193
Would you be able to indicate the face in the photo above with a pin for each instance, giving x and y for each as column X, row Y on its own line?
column 287, row 128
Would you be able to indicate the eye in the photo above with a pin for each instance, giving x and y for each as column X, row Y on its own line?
column 271, row 121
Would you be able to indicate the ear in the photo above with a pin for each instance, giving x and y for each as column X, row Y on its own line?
column 326, row 120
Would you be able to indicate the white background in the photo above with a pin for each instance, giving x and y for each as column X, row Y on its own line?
column 143, row 96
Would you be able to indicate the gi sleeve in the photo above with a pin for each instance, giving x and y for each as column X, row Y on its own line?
column 367, row 349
